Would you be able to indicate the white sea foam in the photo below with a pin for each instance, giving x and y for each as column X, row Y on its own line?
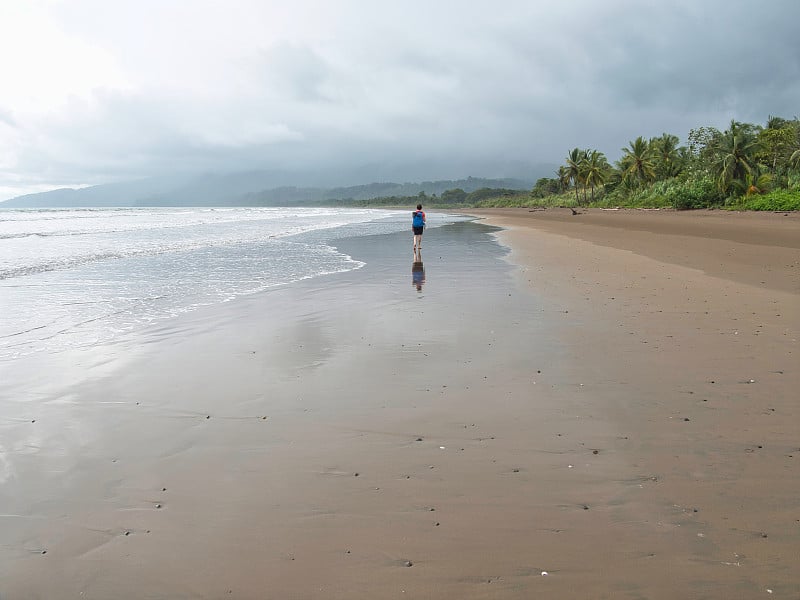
column 77, row 277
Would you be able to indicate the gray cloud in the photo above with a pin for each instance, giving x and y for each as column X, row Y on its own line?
column 412, row 89
column 720, row 59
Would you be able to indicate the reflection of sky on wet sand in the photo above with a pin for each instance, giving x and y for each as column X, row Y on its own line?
column 90, row 436
column 42, row 416
column 452, row 250
column 38, row 423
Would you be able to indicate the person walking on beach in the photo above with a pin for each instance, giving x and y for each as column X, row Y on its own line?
column 418, row 225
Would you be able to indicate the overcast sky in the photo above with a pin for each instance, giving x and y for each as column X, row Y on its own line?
column 94, row 91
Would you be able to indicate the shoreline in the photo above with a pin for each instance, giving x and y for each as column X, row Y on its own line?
column 575, row 407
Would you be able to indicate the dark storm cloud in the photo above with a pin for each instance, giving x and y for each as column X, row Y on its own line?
column 706, row 58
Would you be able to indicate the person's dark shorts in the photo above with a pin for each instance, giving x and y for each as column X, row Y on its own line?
column 417, row 230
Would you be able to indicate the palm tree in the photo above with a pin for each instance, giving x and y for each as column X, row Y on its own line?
column 636, row 163
column 573, row 167
column 794, row 159
column 666, row 156
column 776, row 122
column 735, row 156
column 584, row 164
column 596, row 167
column 757, row 183
column 563, row 177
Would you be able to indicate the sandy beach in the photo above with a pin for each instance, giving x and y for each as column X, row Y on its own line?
column 601, row 405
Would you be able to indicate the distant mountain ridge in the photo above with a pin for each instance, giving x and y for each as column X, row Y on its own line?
column 240, row 189
column 294, row 195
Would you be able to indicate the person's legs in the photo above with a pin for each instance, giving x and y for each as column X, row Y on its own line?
column 417, row 241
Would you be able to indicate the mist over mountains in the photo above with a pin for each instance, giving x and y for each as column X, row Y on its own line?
column 252, row 188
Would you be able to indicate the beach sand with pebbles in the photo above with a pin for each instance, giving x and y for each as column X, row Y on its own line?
column 609, row 410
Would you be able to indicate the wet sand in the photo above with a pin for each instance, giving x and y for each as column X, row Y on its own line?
column 610, row 411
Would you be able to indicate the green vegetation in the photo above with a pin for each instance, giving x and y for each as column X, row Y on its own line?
column 460, row 192
column 745, row 167
column 779, row 200
column 455, row 198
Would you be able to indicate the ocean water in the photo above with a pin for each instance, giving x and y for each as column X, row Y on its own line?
column 78, row 277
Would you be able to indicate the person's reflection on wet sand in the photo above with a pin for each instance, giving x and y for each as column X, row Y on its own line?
column 417, row 273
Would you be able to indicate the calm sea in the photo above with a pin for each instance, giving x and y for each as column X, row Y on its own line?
column 78, row 277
